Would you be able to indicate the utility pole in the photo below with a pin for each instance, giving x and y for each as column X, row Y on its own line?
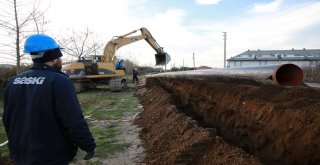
column 225, row 48
column 194, row 64
column 165, row 65
column 183, row 64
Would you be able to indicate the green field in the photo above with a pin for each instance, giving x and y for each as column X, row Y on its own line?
column 104, row 112
column 3, row 136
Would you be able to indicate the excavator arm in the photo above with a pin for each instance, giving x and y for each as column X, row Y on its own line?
column 162, row 58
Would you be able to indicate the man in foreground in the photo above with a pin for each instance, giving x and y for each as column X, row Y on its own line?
column 42, row 115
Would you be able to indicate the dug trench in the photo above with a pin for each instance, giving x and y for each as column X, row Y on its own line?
column 200, row 122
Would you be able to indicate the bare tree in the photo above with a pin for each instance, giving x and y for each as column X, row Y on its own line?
column 129, row 65
column 40, row 23
column 17, row 25
column 80, row 44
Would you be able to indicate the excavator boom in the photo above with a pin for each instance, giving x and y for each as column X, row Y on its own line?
column 162, row 58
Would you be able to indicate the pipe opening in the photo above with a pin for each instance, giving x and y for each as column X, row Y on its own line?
column 289, row 75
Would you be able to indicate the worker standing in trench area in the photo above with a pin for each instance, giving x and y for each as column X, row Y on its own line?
column 42, row 114
column 135, row 75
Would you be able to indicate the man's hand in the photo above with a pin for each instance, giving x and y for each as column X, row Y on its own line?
column 89, row 155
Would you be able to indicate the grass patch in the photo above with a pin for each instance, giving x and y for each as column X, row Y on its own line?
column 4, row 151
column 107, row 144
column 106, row 109
column 1, row 106
column 3, row 137
column 103, row 105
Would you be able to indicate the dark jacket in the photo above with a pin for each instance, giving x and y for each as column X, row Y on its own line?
column 43, row 118
column 135, row 73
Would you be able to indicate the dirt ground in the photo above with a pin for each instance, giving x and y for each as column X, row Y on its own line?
column 198, row 122
column 132, row 155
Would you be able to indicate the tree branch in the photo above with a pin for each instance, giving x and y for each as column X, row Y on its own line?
column 16, row 25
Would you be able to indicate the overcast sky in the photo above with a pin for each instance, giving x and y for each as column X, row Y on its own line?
column 184, row 27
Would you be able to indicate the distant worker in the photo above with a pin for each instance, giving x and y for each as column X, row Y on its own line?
column 135, row 75
column 42, row 115
column 119, row 65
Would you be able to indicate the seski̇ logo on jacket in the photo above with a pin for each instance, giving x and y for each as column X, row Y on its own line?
column 29, row 80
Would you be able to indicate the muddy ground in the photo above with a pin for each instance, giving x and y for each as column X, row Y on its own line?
column 198, row 122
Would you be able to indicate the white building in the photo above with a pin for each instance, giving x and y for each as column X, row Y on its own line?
column 305, row 58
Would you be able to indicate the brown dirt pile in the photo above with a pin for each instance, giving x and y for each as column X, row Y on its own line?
column 171, row 137
column 198, row 122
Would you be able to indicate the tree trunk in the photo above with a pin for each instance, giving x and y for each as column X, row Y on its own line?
column 17, row 33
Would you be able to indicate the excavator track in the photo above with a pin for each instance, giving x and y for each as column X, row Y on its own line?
column 82, row 84
column 117, row 84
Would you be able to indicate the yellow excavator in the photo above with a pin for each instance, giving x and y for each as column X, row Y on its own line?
column 87, row 72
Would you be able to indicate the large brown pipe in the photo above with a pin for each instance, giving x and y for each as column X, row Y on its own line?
column 284, row 75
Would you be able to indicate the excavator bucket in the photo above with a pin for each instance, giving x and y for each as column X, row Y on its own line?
column 162, row 58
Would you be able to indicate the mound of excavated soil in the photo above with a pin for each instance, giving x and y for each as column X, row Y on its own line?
column 198, row 122
column 171, row 137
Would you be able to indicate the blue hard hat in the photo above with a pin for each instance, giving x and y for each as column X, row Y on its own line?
column 121, row 60
column 39, row 43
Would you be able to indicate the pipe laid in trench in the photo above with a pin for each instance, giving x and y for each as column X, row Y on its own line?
column 283, row 75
